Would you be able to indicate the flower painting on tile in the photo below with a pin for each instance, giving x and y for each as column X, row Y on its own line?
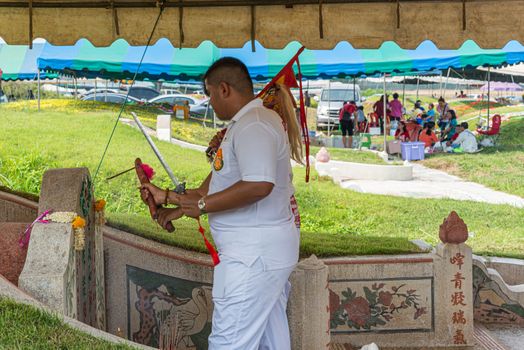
column 379, row 306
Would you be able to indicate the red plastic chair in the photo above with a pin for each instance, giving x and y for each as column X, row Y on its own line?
column 495, row 127
column 494, row 130
column 413, row 130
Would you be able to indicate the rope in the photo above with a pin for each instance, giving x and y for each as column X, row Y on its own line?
column 128, row 91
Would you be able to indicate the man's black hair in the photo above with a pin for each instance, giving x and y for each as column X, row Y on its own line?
column 231, row 71
column 395, row 95
column 465, row 125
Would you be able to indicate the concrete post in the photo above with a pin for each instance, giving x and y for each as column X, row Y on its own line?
column 163, row 127
column 308, row 309
column 454, row 285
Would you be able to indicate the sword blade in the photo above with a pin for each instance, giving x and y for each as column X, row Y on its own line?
column 155, row 149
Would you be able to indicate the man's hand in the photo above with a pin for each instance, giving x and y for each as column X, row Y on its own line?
column 158, row 194
column 189, row 204
column 166, row 215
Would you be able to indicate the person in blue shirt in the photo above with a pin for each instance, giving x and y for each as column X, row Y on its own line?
column 430, row 113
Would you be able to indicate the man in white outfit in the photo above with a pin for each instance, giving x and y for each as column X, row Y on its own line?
column 247, row 197
column 466, row 141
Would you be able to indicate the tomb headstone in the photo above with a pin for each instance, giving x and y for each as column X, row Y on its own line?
column 65, row 279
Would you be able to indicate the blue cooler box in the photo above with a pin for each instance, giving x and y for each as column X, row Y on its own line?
column 412, row 150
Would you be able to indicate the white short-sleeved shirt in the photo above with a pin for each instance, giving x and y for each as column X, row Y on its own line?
column 255, row 148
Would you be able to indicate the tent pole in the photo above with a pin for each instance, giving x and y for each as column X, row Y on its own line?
column 38, row 89
column 418, row 84
column 105, row 92
column 446, row 85
column 489, row 89
column 354, row 90
column 95, row 89
column 440, row 83
column 404, row 92
column 385, row 114
column 329, row 107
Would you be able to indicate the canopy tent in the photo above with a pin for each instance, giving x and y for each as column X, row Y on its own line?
column 230, row 23
column 18, row 62
column 439, row 80
column 513, row 72
column 163, row 61
column 498, row 86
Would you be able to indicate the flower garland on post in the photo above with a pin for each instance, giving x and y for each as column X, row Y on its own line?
column 78, row 223
column 100, row 218
column 80, row 238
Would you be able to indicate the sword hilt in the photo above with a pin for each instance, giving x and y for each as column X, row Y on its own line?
column 180, row 188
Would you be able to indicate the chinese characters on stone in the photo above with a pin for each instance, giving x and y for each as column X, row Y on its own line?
column 458, row 299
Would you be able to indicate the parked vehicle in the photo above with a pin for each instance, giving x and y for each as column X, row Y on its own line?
column 143, row 93
column 167, row 91
column 112, row 98
column 199, row 110
column 172, row 100
column 331, row 101
column 99, row 91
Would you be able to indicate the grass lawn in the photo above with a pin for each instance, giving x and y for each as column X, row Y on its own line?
column 26, row 327
column 501, row 168
column 335, row 221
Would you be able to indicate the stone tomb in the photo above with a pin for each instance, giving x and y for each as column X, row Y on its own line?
column 413, row 301
column 67, row 280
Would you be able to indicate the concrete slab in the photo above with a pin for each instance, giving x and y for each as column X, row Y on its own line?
column 428, row 183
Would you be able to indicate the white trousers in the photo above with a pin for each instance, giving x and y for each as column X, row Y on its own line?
column 249, row 307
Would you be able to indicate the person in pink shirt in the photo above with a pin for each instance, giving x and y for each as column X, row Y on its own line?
column 396, row 108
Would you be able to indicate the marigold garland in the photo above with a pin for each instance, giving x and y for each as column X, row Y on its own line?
column 80, row 239
column 100, row 219
column 100, row 205
column 64, row 217
column 77, row 222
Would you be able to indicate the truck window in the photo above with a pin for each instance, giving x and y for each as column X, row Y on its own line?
column 339, row 95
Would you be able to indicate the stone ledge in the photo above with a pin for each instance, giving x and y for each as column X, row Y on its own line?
column 157, row 248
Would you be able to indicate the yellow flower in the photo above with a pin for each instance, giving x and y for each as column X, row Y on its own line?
column 100, row 205
column 79, row 222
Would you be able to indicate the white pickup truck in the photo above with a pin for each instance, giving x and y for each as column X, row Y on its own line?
column 331, row 100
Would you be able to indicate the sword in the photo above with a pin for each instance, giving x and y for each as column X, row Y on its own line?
column 180, row 187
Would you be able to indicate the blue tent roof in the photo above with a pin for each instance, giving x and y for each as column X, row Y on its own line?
column 18, row 62
column 163, row 61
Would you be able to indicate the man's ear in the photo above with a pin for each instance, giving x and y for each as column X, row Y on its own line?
column 224, row 90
